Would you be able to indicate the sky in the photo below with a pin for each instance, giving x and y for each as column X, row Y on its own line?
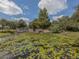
column 29, row 9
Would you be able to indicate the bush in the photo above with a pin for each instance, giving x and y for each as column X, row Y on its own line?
column 56, row 28
column 7, row 31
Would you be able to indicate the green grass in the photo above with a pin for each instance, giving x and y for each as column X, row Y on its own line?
column 4, row 34
column 43, row 46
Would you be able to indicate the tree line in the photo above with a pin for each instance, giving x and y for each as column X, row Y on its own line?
column 65, row 23
column 12, row 24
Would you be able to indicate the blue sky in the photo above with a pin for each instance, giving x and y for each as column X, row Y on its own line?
column 30, row 8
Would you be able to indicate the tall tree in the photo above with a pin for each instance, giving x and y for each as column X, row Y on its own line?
column 21, row 24
column 42, row 21
column 3, row 22
column 76, row 14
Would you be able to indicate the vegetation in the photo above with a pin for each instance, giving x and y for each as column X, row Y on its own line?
column 21, row 24
column 12, row 24
column 42, row 22
column 42, row 46
column 4, row 34
column 61, row 43
column 66, row 23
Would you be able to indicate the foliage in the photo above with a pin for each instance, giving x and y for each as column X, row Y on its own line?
column 12, row 24
column 60, row 24
column 4, row 34
column 6, row 24
column 21, row 24
column 42, row 21
column 66, row 23
column 41, row 46
column 64, row 45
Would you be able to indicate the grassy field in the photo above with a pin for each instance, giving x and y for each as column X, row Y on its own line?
column 43, row 46
column 4, row 34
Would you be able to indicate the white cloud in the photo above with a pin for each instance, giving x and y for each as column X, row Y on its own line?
column 23, row 18
column 57, row 17
column 26, row 7
column 53, row 6
column 9, row 7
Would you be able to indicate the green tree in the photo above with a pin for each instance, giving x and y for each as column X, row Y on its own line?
column 42, row 21
column 76, row 14
column 67, row 23
column 3, row 22
column 74, row 20
column 60, row 24
column 21, row 24
column 12, row 24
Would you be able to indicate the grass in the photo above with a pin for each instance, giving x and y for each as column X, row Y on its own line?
column 4, row 34
column 43, row 46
